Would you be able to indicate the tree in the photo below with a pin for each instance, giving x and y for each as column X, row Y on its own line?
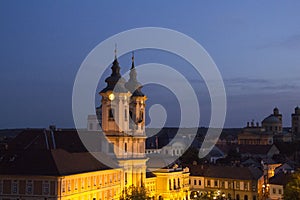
column 135, row 193
column 292, row 188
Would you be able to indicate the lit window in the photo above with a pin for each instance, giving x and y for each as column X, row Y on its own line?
column 63, row 186
column 82, row 183
column 76, row 184
column 69, row 185
column 246, row 186
column 95, row 180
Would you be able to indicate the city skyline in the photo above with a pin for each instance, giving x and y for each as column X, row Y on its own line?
column 253, row 44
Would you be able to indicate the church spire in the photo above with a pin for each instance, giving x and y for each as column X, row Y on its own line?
column 115, row 82
column 133, row 85
column 132, row 61
column 116, row 51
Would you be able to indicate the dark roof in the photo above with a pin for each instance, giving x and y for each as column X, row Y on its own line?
column 150, row 175
column 39, row 139
column 53, row 162
column 272, row 119
column 280, row 179
column 229, row 172
column 254, row 149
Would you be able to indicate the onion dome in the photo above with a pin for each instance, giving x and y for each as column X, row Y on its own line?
column 115, row 82
column 133, row 85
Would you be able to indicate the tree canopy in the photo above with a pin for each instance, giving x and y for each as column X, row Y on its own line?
column 135, row 193
column 292, row 189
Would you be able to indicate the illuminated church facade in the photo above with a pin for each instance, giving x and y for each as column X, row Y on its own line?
column 122, row 119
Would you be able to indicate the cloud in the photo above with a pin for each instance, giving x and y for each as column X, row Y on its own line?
column 292, row 42
column 256, row 85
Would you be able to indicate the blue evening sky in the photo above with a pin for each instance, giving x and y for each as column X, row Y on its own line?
column 255, row 44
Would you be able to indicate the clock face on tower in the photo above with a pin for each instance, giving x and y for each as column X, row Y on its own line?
column 111, row 96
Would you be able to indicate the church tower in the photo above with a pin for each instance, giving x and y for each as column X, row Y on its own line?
column 123, row 120
column 296, row 123
column 137, row 103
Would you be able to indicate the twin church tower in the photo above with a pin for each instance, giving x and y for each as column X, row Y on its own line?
column 123, row 122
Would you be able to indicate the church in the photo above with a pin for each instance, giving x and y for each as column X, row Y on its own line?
column 122, row 119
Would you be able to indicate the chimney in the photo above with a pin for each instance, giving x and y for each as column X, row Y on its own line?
column 52, row 127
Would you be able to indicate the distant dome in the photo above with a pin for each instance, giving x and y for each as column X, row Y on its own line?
column 271, row 120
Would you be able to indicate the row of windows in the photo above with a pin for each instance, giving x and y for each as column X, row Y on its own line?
column 24, row 187
column 224, row 184
column 87, row 182
column 274, row 191
column 176, row 184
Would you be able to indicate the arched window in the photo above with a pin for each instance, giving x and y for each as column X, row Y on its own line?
column 111, row 114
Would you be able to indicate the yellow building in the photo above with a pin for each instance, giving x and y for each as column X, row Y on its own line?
column 57, row 174
column 240, row 183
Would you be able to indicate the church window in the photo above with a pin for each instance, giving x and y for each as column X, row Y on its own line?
column 111, row 114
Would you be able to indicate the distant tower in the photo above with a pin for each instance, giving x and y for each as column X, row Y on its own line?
column 277, row 114
column 127, row 143
column 296, row 123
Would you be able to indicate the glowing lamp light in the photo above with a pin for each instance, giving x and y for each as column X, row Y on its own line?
column 111, row 96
